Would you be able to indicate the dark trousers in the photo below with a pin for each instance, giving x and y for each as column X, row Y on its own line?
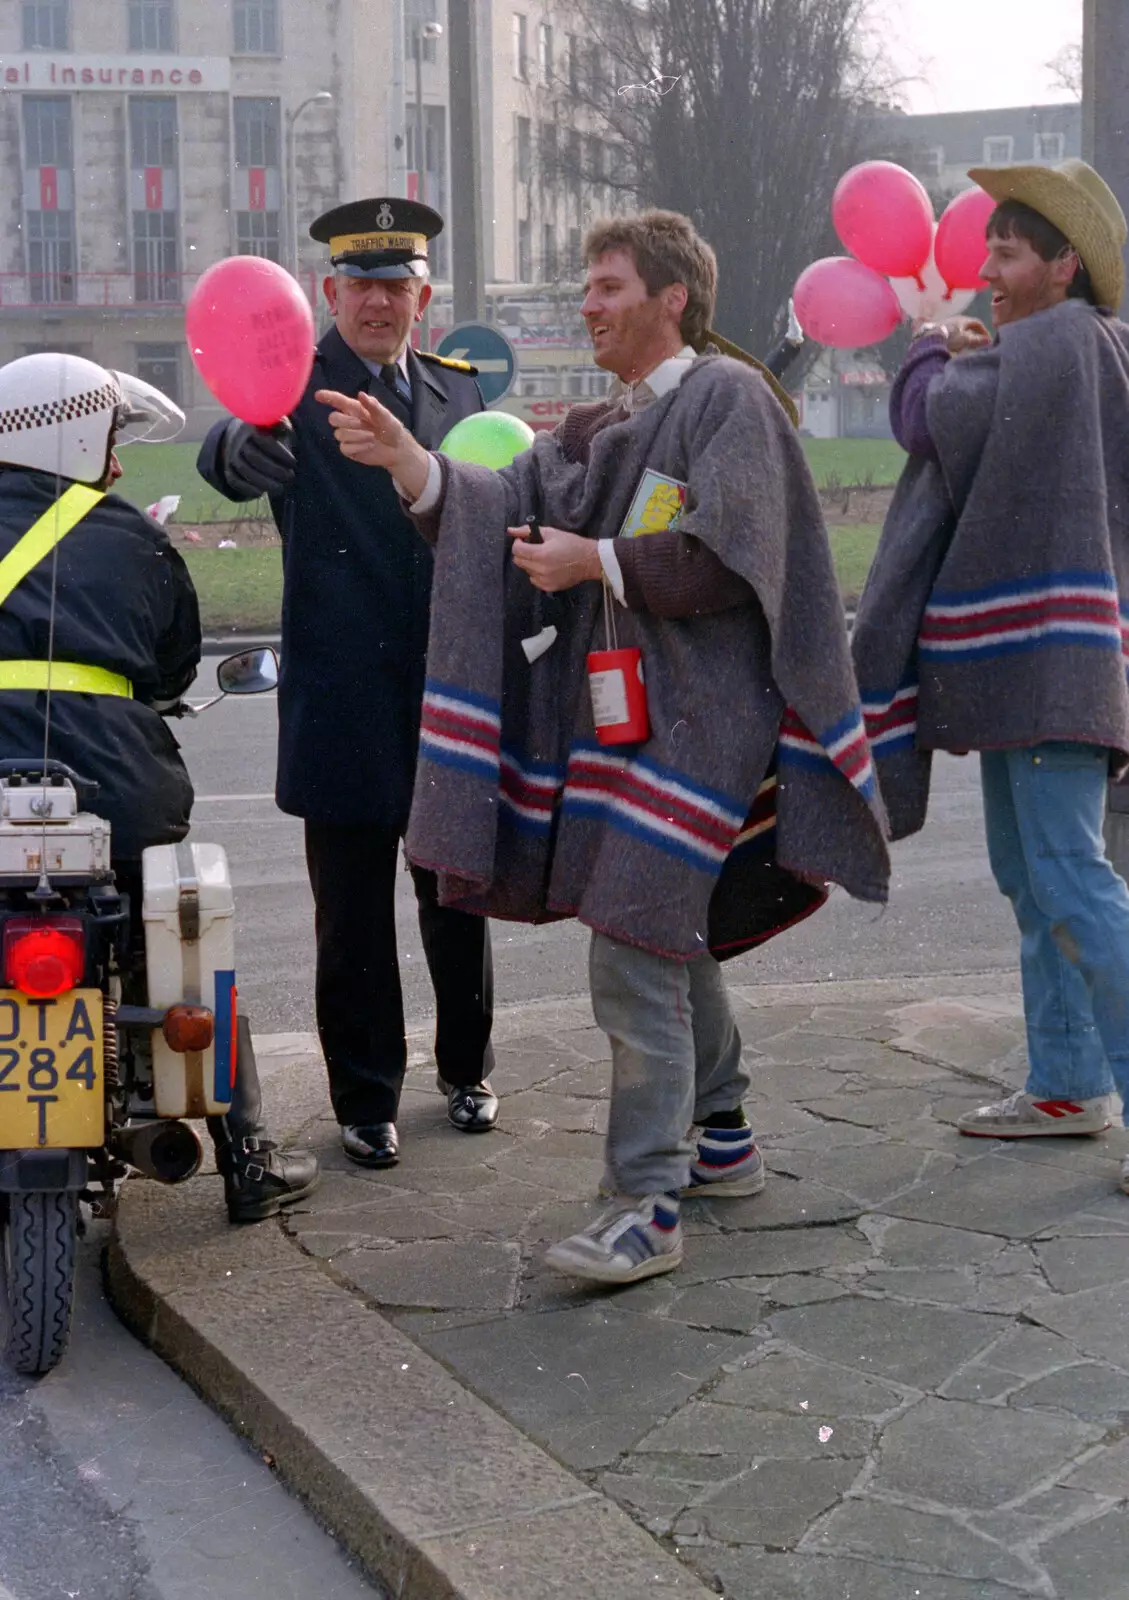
column 360, row 1007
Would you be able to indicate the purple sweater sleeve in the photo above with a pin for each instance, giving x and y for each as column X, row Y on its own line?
column 926, row 360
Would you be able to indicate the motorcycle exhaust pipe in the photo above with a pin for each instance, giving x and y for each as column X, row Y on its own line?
column 170, row 1151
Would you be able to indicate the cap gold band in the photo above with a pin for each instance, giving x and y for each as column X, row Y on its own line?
column 347, row 244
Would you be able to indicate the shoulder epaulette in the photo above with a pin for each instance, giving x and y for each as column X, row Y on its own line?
column 446, row 361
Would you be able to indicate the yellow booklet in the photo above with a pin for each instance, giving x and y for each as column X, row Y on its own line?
column 658, row 504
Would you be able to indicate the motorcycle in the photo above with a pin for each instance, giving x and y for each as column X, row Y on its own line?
column 114, row 1027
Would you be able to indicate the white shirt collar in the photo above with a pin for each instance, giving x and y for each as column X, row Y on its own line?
column 665, row 377
column 375, row 366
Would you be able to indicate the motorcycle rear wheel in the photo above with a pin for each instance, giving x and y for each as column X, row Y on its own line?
column 40, row 1234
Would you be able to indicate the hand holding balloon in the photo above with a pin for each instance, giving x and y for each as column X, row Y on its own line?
column 367, row 432
column 251, row 335
column 966, row 333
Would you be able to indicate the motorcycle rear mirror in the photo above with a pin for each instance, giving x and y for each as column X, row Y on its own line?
column 251, row 672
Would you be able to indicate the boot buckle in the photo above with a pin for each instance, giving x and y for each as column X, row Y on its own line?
column 254, row 1172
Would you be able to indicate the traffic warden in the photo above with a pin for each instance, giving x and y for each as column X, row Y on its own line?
column 356, row 593
column 125, row 631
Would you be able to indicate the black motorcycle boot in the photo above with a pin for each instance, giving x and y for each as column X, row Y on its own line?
column 258, row 1178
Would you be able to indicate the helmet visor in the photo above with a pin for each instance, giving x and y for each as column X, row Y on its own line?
column 146, row 414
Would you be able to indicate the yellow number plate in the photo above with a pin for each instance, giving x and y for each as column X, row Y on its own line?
column 51, row 1071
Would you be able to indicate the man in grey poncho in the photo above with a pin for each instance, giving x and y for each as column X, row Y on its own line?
column 994, row 618
column 754, row 786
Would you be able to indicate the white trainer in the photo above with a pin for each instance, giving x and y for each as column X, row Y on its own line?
column 1021, row 1116
column 638, row 1238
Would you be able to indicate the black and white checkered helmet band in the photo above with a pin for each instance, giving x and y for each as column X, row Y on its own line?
column 49, row 413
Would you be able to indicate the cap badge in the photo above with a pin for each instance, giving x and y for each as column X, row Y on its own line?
column 384, row 217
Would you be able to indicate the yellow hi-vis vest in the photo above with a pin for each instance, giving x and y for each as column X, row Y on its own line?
column 37, row 543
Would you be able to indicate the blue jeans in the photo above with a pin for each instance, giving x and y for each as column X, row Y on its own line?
column 676, row 1060
column 1043, row 809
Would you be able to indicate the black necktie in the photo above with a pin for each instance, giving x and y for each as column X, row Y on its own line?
column 392, row 378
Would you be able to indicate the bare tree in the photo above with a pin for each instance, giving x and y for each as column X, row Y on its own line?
column 741, row 113
column 1065, row 69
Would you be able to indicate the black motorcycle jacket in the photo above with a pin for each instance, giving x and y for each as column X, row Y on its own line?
column 125, row 603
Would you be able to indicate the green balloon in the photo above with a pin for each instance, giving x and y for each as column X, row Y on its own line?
column 488, row 439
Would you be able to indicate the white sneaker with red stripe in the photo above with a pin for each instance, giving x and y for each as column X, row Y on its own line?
column 1021, row 1116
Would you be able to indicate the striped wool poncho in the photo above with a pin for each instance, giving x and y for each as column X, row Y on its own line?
column 994, row 614
column 755, row 788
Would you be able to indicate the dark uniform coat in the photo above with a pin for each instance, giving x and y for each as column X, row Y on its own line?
column 356, row 590
column 125, row 602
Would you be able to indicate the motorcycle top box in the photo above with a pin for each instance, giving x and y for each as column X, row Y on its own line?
column 189, row 915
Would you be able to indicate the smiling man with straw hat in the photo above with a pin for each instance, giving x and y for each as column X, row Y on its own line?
column 993, row 616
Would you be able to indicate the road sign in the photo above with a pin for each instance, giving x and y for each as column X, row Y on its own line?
column 488, row 350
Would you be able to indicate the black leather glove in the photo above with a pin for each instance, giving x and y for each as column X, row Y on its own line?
column 258, row 460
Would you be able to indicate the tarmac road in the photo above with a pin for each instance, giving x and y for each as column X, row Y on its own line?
column 944, row 916
column 117, row 1483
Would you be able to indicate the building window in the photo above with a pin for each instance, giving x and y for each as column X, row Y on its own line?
column 545, row 52
column 597, row 70
column 151, row 25
column 574, row 160
column 46, row 25
column 574, row 265
column 932, row 164
column 523, row 166
column 257, row 184
column 521, row 46
column 997, row 152
column 575, row 71
column 547, row 155
column 433, row 189
column 48, row 181
column 524, row 251
column 154, row 198
column 549, row 262
column 416, row 14
column 256, row 28
column 159, row 364
column 1050, row 147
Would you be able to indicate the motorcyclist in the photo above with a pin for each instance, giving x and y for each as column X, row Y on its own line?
column 114, row 609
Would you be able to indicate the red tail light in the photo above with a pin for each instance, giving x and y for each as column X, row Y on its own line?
column 44, row 956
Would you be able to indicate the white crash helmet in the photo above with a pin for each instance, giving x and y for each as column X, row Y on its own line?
column 61, row 414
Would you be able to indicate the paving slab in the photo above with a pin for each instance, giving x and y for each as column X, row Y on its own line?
column 900, row 1373
column 875, row 1529
column 955, row 1453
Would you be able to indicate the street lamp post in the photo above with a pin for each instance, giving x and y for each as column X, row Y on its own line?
column 321, row 98
column 424, row 30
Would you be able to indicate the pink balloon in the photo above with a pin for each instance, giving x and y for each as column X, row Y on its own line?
column 843, row 303
column 251, row 334
column 884, row 217
column 960, row 249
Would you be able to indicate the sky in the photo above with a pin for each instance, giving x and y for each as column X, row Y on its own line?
column 972, row 54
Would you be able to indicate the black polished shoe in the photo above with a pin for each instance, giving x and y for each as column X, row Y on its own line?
column 371, row 1144
column 472, row 1108
column 259, row 1178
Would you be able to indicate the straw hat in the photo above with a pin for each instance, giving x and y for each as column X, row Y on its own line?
column 726, row 347
column 1080, row 204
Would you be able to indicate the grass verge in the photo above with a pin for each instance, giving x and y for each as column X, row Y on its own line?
column 851, row 463
column 153, row 470
column 241, row 590
column 853, row 549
